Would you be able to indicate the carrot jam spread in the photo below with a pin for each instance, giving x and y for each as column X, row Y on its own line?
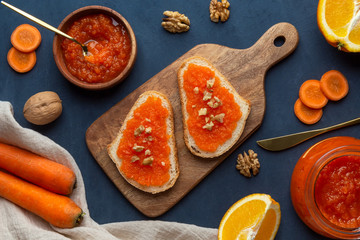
column 108, row 45
column 213, row 112
column 337, row 191
column 144, row 147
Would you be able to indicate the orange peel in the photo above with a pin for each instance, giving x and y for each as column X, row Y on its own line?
column 339, row 22
column 256, row 216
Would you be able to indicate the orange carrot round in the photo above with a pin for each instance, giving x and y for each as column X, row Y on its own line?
column 41, row 171
column 334, row 85
column 58, row 210
column 305, row 114
column 311, row 95
column 21, row 62
column 26, row 38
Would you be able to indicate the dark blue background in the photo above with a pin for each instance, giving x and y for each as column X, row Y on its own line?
column 206, row 204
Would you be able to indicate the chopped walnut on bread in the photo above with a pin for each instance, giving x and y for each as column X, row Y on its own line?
column 213, row 110
column 145, row 156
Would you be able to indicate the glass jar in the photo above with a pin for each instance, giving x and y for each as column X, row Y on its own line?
column 304, row 187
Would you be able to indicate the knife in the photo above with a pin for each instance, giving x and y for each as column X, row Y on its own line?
column 288, row 141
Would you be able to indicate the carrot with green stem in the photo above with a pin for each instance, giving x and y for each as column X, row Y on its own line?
column 56, row 209
column 41, row 171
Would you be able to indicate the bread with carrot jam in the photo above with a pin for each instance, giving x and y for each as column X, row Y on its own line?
column 144, row 150
column 214, row 114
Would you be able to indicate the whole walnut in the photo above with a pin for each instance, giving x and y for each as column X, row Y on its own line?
column 43, row 108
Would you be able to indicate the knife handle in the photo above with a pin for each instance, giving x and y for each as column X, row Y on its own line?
column 284, row 142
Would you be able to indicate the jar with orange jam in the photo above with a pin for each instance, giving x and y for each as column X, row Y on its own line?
column 325, row 188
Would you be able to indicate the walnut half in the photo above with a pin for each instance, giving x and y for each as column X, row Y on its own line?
column 246, row 162
column 175, row 22
column 219, row 10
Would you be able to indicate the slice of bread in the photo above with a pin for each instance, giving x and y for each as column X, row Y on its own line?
column 244, row 105
column 174, row 169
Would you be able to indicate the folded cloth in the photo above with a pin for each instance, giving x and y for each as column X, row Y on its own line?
column 18, row 223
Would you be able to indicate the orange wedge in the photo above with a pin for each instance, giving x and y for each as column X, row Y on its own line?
column 255, row 217
column 339, row 22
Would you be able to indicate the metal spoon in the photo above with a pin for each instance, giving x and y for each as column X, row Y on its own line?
column 45, row 25
column 284, row 142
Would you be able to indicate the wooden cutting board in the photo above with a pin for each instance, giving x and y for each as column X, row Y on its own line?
column 244, row 68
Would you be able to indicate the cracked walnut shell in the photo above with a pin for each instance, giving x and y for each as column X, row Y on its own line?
column 175, row 22
column 219, row 10
column 246, row 162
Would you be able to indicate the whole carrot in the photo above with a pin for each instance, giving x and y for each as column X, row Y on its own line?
column 41, row 171
column 56, row 209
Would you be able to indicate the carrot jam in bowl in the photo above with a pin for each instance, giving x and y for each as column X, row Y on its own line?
column 111, row 47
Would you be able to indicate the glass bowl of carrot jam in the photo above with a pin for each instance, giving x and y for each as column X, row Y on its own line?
column 111, row 47
column 325, row 188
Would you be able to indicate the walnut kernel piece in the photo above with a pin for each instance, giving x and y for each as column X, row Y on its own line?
column 207, row 96
column 147, row 152
column 210, row 83
column 139, row 130
column 208, row 126
column 219, row 10
column 246, row 162
column 137, row 148
column 148, row 161
column 196, row 90
column 219, row 117
column 175, row 22
column 134, row 158
column 214, row 102
column 202, row 111
column 148, row 130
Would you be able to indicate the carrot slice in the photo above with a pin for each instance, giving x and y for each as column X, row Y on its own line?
column 58, row 210
column 311, row 95
column 21, row 62
column 41, row 171
column 305, row 114
column 26, row 38
column 334, row 85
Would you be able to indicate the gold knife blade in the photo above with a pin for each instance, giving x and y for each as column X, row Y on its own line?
column 288, row 141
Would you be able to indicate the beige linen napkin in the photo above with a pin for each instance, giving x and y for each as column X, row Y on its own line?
column 17, row 223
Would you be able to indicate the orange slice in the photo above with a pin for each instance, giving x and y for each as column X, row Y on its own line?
column 256, row 217
column 339, row 22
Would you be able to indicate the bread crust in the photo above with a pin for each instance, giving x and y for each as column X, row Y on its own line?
column 245, row 107
column 174, row 168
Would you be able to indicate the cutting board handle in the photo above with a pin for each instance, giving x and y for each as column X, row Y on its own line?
column 277, row 43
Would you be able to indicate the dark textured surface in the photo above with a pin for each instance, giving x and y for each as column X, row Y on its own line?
column 206, row 204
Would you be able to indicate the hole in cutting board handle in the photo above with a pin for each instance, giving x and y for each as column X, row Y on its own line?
column 279, row 41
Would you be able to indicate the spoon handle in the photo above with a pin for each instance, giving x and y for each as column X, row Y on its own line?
column 284, row 142
column 38, row 21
